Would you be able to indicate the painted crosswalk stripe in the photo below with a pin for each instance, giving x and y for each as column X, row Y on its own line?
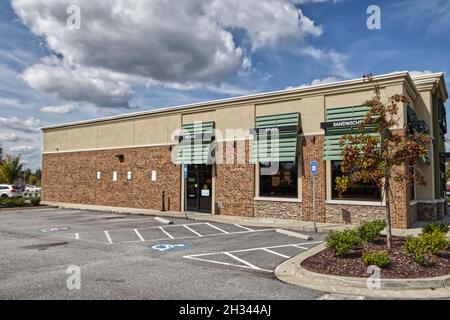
column 167, row 234
column 108, row 237
column 138, row 234
column 275, row 253
column 217, row 228
column 245, row 228
column 242, row 261
column 191, row 230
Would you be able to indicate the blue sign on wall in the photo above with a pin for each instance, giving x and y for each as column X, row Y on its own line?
column 313, row 167
column 185, row 169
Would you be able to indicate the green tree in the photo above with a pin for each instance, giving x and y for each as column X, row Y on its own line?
column 1, row 155
column 384, row 158
column 10, row 169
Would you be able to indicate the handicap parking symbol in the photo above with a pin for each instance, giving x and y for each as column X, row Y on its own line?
column 166, row 246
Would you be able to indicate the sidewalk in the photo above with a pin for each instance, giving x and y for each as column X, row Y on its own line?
column 249, row 221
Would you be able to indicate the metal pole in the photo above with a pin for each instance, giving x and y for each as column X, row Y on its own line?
column 314, row 204
column 185, row 192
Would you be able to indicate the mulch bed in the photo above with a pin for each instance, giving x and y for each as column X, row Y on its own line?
column 401, row 267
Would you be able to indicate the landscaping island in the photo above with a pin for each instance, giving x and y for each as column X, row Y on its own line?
column 350, row 252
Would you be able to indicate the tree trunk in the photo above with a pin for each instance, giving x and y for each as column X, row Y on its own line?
column 387, row 189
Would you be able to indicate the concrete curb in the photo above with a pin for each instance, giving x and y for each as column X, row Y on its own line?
column 294, row 225
column 294, row 234
column 292, row 272
column 28, row 208
column 163, row 220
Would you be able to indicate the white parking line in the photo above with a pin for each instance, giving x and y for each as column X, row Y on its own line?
column 297, row 245
column 217, row 228
column 245, row 228
column 172, row 237
column 246, row 264
column 166, row 233
column 193, row 231
column 108, row 237
column 225, row 263
column 276, row 253
column 242, row 261
column 138, row 234
column 77, row 236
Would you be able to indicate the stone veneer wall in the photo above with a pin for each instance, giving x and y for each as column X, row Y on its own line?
column 413, row 214
column 353, row 214
column 431, row 210
column 235, row 183
column 71, row 178
column 277, row 209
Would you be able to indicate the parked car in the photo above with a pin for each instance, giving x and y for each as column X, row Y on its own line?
column 10, row 191
column 30, row 188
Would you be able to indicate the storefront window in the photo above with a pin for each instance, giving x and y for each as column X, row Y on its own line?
column 282, row 184
column 358, row 191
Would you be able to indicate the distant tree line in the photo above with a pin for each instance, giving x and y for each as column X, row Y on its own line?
column 12, row 172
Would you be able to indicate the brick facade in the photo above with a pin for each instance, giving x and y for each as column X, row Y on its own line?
column 312, row 149
column 235, row 183
column 71, row 178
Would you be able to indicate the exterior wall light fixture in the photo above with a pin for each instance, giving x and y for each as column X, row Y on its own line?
column 121, row 157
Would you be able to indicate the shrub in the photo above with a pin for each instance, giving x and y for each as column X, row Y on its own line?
column 378, row 258
column 442, row 227
column 35, row 201
column 19, row 202
column 421, row 248
column 341, row 242
column 369, row 231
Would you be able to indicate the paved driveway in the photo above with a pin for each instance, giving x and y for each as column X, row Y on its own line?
column 135, row 257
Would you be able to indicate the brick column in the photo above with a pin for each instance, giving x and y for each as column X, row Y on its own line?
column 312, row 149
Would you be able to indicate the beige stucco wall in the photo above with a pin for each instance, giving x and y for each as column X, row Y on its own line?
column 422, row 106
column 156, row 129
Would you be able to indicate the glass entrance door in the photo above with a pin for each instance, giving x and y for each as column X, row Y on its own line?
column 199, row 188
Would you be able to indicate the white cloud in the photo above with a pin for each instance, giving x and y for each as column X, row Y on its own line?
column 76, row 83
column 172, row 43
column 64, row 109
column 22, row 150
column 28, row 125
column 336, row 62
column 8, row 137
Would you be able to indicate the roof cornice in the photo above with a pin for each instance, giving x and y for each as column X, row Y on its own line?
column 261, row 98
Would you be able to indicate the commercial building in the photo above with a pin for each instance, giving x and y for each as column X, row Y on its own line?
column 136, row 160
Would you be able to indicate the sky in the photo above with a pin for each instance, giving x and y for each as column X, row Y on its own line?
column 125, row 56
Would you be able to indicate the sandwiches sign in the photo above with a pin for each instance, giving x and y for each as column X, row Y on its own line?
column 340, row 124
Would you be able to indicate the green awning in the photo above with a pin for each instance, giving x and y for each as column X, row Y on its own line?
column 195, row 143
column 339, row 118
column 275, row 138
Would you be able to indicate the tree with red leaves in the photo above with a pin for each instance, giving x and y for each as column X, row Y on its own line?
column 384, row 156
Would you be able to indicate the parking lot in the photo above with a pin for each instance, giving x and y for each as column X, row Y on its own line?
column 136, row 257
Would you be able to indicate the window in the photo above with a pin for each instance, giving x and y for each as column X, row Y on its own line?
column 358, row 191
column 282, row 184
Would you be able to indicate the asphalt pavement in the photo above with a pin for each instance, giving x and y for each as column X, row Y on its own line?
column 77, row 254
